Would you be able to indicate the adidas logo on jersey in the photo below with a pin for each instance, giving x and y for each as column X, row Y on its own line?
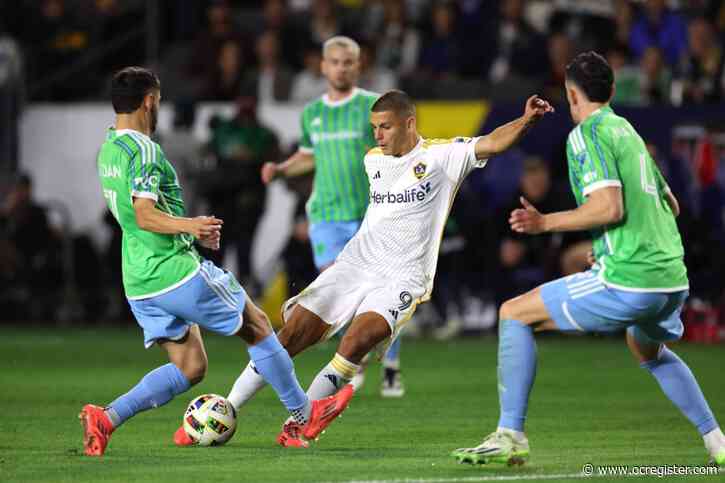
column 417, row 193
column 377, row 175
column 316, row 122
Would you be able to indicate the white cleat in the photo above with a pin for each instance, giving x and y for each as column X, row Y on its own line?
column 498, row 447
column 392, row 385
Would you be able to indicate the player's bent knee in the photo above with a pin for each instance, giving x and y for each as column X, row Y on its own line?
column 195, row 371
column 642, row 352
column 507, row 311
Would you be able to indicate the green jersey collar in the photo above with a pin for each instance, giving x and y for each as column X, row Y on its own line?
column 341, row 102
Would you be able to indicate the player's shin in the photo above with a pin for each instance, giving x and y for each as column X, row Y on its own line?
column 338, row 372
column 680, row 386
column 155, row 389
column 275, row 365
column 249, row 383
column 516, row 372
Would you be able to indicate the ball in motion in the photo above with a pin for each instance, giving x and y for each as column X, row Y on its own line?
column 210, row 420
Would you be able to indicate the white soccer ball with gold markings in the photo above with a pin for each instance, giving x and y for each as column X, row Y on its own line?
column 210, row 420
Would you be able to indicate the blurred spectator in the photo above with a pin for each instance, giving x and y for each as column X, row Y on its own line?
column 297, row 255
column 110, row 19
column 623, row 21
column 323, row 22
column 57, row 38
column 275, row 16
column 527, row 261
column 588, row 23
column 271, row 80
column 31, row 254
column 373, row 77
column 225, row 80
column 310, row 83
column 11, row 99
column 441, row 53
column 234, row 189
column 560, row 52
column 397, row 44
column 655, row 78
column 703, row 78
column 209, row 42
column 657, row 26
column 517, row 49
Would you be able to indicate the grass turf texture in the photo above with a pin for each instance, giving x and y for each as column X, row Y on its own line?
column 591, row 403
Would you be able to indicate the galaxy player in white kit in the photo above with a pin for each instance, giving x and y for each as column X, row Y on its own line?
column 388, row 267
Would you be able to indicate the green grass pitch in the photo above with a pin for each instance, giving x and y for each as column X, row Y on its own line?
column 591, row 403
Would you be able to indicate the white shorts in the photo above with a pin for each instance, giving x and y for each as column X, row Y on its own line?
column 344, row 291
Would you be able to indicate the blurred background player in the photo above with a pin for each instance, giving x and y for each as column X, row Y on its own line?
column 166, row 282
column 336, row 135
column 638, row 278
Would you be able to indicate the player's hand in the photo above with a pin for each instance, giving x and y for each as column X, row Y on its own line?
column 527, row 220
column 536, row 108
column 203, row 227
column 269, row 172
column 590, row 258
column 212, row 241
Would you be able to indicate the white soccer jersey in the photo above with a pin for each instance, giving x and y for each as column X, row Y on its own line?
column 410, row 198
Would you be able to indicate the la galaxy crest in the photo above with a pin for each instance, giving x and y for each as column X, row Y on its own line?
column 419, row 170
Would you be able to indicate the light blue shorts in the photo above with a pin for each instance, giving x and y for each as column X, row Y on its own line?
column 212, row 299
column 582, row 302
column 328, row 238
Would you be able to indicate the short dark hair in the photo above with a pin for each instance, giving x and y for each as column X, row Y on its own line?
column 397, row 101
column 129, row 86
column 592, row 73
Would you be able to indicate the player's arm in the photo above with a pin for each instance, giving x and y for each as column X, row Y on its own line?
column 503, row 137
column 298, row 164
column 672, row 201
column 603, row 207
column 150, row 218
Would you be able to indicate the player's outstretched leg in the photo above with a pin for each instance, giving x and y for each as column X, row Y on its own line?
column 392, row 385
column 365, row 332
column 187, row 367
column 680, row 386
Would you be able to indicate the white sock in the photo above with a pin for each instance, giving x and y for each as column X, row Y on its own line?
column 332, row 377
column 246, row 386
column 714, row 441
column 517, row 435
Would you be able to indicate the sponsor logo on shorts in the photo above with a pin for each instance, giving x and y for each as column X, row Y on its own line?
column 406, row 299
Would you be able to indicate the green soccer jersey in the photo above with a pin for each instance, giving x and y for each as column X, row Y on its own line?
column 643, row 252
column 338, row 134
column 131, row 165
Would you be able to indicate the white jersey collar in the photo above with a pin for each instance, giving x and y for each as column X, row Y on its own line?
column 340, row 102
column 121, row 132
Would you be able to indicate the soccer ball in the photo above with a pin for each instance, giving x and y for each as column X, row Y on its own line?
column 210, row 420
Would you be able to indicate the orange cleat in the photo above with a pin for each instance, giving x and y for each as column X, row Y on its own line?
column 291, row 436
column 181, row 438
column 324, row 411
column 97, row 429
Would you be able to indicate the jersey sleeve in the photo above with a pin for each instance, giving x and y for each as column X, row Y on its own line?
column 592, row 158
column 144, row 174
column 461, row 159
column 306, row 140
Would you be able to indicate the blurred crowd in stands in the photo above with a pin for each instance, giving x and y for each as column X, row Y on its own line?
column 265, row 51
column 663, row 51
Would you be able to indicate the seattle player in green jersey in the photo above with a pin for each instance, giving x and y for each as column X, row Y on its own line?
column 638, row 278
column 170, row 289
column 336, row 134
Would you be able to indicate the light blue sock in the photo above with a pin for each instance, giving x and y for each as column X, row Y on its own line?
column 680, row 386
column 392, row 356
column 155, row 389
column 516, row 372
column 274, row 364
